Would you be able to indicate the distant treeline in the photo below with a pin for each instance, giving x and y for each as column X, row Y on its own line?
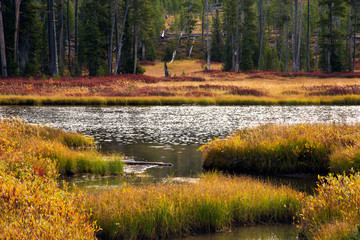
column 110, row 36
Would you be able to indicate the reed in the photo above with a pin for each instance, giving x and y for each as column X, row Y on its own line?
column 333, row 213
column 273, row 149
column 214, row 203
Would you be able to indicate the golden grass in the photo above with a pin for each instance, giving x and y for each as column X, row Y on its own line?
column 333, row 213
column 272, row 149
column 215, row 202
column 31, row 204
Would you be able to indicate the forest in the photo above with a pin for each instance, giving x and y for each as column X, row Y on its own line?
column 108, row 37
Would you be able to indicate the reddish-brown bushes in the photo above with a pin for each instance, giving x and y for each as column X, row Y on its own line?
column 200, row 94
column 336, row 90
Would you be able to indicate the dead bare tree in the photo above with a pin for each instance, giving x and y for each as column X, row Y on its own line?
column 118, row 55
column 207, row 35
column 355, row 28
column 16, row 32
column 53, row 58
column 68, row 33
column 110, row 55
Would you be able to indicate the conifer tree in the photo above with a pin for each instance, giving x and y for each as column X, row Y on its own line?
column 217, row 46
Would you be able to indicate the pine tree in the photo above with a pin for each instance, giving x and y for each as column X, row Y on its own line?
column 331, row 36
column 217, row 46
column 249, row 38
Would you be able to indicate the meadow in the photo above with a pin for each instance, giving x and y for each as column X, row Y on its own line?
column 188, row 84
column 282, row 149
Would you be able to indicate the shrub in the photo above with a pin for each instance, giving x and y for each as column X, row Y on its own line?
column 333, row 213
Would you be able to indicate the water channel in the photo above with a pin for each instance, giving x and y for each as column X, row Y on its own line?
column 174, row 134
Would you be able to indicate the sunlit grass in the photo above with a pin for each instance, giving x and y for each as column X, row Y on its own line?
column 70, row 152
column 31, row 204
column 272, row 149
column 333, row 213
column 216, row 202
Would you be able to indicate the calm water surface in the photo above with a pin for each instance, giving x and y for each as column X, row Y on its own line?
column 172, row 134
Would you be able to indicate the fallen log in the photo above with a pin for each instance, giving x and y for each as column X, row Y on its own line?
column 133, row 162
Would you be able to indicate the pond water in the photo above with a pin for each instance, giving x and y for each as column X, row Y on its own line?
column 174, row 134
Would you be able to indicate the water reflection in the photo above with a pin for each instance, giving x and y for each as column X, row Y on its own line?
column 267, row 232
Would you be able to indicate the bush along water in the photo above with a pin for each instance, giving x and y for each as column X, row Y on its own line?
column 273, row 149
column 333, row 212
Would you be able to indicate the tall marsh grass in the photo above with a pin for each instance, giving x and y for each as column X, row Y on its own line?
column 333, row 213
column 272, row 149
column 71, row 152
column 214, row 203
column 31, row 204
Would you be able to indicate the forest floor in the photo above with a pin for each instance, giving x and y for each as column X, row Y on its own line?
column 188, row 83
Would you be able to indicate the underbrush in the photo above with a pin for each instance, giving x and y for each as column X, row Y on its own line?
column 216, row 202
column 333, row 213
column 272, row 149
column 31, row 204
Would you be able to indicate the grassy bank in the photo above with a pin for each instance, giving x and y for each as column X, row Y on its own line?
column 31, row 204
column 175, row 101
column 71, row 153
column 214, row 203
column 272, row 149
column 333, row 213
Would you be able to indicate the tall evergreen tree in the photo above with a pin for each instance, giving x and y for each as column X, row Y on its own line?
column 217, row 46
column 331, row 35
column 249, row 38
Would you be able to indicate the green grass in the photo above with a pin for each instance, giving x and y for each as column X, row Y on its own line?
column 174, row 101
column 216, row 202
column 273, row 149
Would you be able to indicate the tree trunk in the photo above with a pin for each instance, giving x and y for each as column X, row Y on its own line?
column 143, row 50
column 76, row 28
column 2, row 46
column 166, row 70
column 16, row 32
column 308, row 40
column 299, row 33
column 329, row 39
column 207, row 35
column 262, row 37
column 355, row 28
column 287, row 47
column 53, row 61
column 237, row 37
column 118, row 55
column 135, row 36
column 61, row 34
column 202, row 28
column 110, row 55
column 294, row 40
column 68, row 34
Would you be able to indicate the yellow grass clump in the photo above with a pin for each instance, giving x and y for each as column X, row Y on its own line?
column 215, row 202
column 272, row 149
